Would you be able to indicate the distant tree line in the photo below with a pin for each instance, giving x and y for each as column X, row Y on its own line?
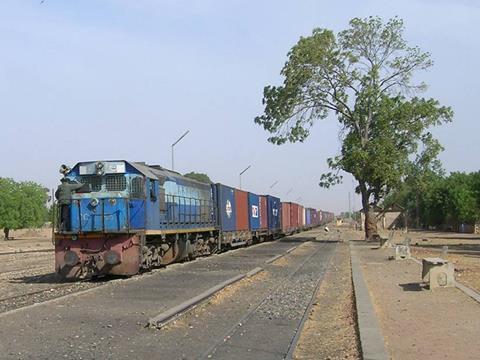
column 22, row 205
column 198, row 177
column 434, row 199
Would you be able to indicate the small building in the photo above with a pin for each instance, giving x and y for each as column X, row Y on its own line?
column 389, row 218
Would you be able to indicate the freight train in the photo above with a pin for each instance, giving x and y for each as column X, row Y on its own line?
column 130, row 216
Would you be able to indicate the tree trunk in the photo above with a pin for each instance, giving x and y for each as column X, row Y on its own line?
column 6, row 231
column 370, row 218
column 370, row 225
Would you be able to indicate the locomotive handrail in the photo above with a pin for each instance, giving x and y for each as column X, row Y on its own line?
column 103, row 215
column 54, row 220
column 127, row 207
column 79, row 217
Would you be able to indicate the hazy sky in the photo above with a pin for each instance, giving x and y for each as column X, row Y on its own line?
column 117, row 79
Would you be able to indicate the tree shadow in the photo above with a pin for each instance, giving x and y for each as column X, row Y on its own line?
column 413, row 286
column 298, row 239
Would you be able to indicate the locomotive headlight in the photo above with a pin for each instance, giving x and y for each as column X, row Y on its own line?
column 111, row 257
column 64, row 169
column 71, row 258
column 100, row 168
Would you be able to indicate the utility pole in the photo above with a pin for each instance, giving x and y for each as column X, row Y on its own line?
column 240, row 175
column 275, row 183
column 349, row 206
column 175, row 143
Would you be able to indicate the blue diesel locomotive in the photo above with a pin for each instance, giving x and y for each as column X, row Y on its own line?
column 130, row 216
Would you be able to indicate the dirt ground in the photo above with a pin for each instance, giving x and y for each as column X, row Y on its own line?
column 463, row 251
column 27, row 240
column 330, row 331
column 418, row 323
column 467, row 266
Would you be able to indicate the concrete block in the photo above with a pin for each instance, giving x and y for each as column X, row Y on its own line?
column 438, row 273
column 402, row 252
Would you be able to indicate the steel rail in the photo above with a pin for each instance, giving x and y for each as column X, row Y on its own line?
column 243, row 320
column 296, row 338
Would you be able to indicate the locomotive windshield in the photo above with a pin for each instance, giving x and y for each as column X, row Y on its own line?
column 111, row 182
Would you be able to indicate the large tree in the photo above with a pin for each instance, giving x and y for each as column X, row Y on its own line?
column 364, row 76
column 21, row 205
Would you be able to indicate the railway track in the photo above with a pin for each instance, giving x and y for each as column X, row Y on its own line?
column 272, row 303
column 26, row 252
column 19, row 271
column 55, row 289
column 274, row 292
column 51, row 292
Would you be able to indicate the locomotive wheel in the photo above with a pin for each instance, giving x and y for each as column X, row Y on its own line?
column 185, row 250
column 146, row 258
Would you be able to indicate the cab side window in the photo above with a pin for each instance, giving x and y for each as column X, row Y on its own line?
column 162, row 203
column 153, row 194
column 137, row 188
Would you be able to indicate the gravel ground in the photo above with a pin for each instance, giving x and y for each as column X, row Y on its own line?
column 330, row 331
column 28, row 278
column 290, row 300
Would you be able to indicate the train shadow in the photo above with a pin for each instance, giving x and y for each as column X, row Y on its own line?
column 304, row 239
column 54, row 278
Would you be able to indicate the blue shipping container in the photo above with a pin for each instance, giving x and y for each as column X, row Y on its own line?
column 253, row 211
column 308, row 219
column 225, row 203
column 274, row 212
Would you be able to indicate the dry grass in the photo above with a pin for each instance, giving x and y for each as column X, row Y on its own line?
column 330, row 331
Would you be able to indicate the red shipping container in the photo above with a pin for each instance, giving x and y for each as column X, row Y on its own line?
column 301, row 216
column 241, row 203
column 294, row 215
column 285, row 216
column 263, row 212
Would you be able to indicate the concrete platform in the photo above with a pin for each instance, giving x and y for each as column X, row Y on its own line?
column 418, row 323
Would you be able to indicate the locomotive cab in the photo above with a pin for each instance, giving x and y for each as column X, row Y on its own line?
column 113, row 203
column 133, row 216
column 105, row 216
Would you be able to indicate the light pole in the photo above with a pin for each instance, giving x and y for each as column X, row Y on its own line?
column 289, row 191
column 240, row 175
column 275, row 183
column 175, row 143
